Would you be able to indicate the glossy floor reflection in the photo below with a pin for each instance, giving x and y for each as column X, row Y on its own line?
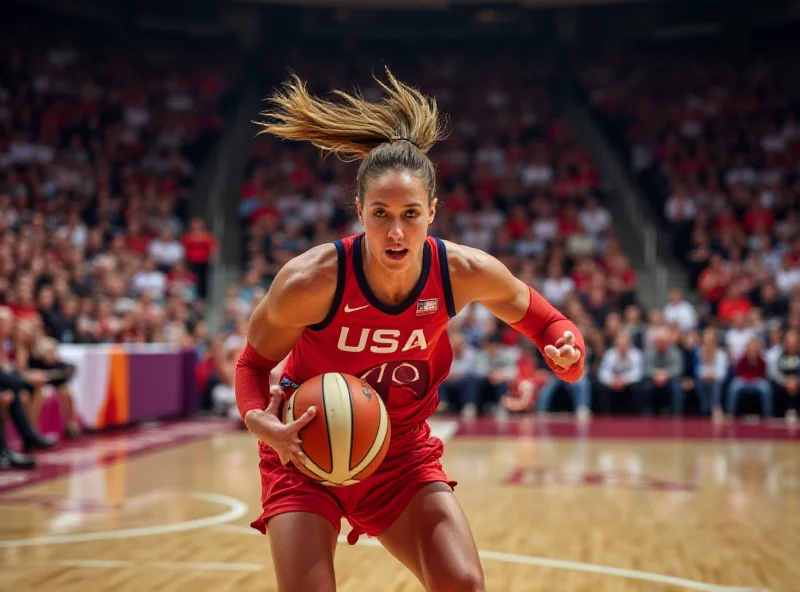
column 549, row 512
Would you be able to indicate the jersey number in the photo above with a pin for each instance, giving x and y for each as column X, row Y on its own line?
column 412, row 377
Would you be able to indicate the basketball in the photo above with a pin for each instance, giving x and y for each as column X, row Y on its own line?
column 349, row 436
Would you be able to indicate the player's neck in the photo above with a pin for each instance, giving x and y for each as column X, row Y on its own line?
column 387, row 286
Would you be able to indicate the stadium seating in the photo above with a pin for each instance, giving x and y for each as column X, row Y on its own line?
column 100, row 140
column 715, row 144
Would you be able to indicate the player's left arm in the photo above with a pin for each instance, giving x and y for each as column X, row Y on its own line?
column 476, row 276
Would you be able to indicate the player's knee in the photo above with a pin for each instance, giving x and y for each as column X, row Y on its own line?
column 467, row 579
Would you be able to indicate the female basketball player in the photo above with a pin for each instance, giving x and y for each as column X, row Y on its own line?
column 376, row 306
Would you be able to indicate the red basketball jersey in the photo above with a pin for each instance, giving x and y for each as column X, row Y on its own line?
column 401, row 350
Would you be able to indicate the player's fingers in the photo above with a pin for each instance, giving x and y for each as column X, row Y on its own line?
column 559, row 356
column 274, row 404
column 303, row 420
column 551, row 351
column 568, row 355
column 568, row 337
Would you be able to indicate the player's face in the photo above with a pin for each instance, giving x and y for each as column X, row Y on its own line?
column 395, row 214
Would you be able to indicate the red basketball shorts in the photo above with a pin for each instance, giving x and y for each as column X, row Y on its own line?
column 371, row 506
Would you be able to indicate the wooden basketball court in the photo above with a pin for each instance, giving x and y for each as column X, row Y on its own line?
column 555, row 507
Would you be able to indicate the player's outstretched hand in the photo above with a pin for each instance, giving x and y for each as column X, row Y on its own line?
column 564, row 354
column 286, row 437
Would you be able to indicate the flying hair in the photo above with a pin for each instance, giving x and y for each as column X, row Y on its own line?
column 352, row 127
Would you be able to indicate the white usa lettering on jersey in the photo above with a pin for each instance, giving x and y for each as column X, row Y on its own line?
column 381, row 341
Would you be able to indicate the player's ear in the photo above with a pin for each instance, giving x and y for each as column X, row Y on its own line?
column 358, row 210
column 432, row 207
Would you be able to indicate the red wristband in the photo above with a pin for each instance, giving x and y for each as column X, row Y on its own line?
column 251, row 383
column 544, row 325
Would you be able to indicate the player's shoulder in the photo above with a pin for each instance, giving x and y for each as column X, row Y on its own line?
column 310, row 279
column 313, row 268
column 475, row 275
column 466, row 263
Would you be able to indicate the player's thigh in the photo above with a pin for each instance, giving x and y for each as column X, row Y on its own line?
column 303, row 545
column 433, row 539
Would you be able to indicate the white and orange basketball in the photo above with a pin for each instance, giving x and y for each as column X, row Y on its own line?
column 349, row 436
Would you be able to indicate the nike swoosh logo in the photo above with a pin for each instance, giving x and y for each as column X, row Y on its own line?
column 348, row 309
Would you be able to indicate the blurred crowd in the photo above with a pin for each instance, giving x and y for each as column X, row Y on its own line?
column 714, row 140
column 99, row 144
column 670, row 361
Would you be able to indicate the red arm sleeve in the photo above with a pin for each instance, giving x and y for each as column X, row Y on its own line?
column 544, row 325
column 251, row 381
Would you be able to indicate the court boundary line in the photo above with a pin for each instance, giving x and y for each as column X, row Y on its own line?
column 194, row 565
column 631, row 574
column 236, row 509
column 257, row 567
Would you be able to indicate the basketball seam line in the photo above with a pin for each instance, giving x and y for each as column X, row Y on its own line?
column 385, row 423
column 352, row 423
column 327, row 428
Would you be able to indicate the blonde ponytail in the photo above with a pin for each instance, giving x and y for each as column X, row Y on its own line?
column 352, row 127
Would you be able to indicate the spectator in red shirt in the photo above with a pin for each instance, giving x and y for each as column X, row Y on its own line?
column 23, row 306
column 568, row 223
column 588, row 176
column 136, row 239
column 459, row 200
column 726, row 221
column 622, row 280
column 200, row 246
column 735, row 302
column 758, row 218
column 713, row 280
column 264, row 208
column 750, row 375
column 794, row 253
column 582, row 274
column 517, row 223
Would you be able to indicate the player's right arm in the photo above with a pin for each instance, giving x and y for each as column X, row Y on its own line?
column 301, row 295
